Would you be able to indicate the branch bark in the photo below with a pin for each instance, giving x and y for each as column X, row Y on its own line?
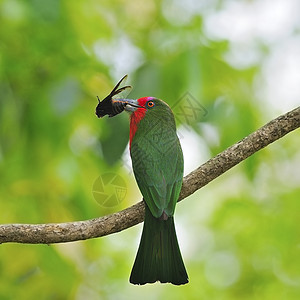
column 82, row 230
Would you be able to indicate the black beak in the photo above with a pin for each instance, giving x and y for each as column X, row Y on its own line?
column 132, row 105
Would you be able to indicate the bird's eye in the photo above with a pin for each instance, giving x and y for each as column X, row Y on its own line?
column 150, row 104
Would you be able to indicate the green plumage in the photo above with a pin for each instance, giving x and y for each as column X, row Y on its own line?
column 158, row 257
column 158, row 167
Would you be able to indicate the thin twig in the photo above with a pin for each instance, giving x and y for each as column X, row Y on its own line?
column 82, row 230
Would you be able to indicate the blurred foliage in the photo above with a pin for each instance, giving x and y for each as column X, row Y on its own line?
column 239, row 236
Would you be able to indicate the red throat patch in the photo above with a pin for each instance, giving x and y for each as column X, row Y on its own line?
column 136, row 117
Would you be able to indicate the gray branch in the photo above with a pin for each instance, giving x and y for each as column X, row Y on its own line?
column 82, row 230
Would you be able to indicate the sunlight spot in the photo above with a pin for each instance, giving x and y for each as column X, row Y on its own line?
column 120, row 55
column 222, row 269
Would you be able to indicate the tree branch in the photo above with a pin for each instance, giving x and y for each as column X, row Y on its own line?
column 82, row 230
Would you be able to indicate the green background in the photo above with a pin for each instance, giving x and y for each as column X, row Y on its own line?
column 239, row 236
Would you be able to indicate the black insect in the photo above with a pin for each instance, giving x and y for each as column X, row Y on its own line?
column 110, row 106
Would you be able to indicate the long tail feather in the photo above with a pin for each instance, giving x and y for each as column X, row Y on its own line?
column 158, row 257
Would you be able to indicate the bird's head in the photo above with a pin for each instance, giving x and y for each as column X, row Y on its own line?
column 146, row 105
column 153, row 110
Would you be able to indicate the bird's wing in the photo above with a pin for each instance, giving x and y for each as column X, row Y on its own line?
column 158, row 170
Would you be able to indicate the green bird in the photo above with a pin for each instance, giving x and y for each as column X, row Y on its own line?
column 157, row 163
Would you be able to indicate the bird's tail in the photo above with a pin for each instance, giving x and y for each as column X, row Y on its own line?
column 158, row 257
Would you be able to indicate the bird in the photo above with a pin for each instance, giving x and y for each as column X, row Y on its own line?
column 157, row 162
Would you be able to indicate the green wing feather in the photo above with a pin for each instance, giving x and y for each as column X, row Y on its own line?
column 158, row 169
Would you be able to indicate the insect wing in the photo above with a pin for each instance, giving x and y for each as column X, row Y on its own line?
column 115, row 89
column 109, row 106
column 122, row 92
column 118, row 106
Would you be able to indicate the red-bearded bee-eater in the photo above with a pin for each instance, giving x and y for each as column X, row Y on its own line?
column 157, row 163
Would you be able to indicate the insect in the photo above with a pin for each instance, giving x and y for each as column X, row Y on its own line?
column 110, row 106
